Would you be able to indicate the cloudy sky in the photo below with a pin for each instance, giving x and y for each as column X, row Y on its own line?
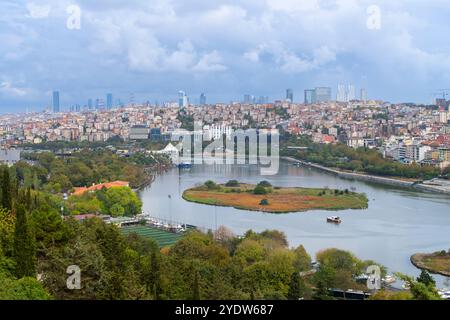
column 225, row 48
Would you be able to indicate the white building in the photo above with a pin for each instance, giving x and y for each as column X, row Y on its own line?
column 9, row 156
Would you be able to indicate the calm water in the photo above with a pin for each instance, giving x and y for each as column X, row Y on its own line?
column 397, row 224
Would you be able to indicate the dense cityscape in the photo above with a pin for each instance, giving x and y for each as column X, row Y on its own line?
column 211, row 159
column 406, row 132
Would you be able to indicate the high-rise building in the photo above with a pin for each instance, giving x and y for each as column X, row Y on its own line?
column 290, row 95
column 56, row 107
column 341, row 93
column 247, row 99
column 363, row 95
column 323, row 94
column 99, row 104
column 351, row 95
column 90, row 104
column 182, row 99
column 202, row 99
column 109, row 101
column 310, row 96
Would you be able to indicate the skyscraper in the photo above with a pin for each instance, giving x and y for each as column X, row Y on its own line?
column 182, row 99
column 90, row 104
column 202, row 99
column 363, row 95
column 351, row 95
column 341, row 94
column 323, row 94
column 290, row 95
column 247, row 98
column 56, row 107
column 310, row 96
column 109, row 101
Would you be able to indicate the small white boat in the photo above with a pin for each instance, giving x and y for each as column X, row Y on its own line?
column 334, row 219
column 389, row 279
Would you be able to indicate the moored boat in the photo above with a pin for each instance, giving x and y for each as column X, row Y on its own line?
column 334, row 219
column 389, row 279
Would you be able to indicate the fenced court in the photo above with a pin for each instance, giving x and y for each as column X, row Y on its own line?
column 162, row 237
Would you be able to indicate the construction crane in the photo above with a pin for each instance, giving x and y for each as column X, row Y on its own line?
column 440, row 93
column 444, row 93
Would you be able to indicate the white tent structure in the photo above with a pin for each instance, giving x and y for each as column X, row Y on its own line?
column 172, row 152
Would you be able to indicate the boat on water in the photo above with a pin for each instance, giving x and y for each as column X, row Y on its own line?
column 444, row 294
column 334, row 219
column 389, row 279
column 185, row 165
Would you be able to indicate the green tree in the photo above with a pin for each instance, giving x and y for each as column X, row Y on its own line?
column 296, row 287
column 259, row 190
column 26, row 288
column 302, row 260
column 211, row 185
column 426, row 279
column 196, row 287
column 7, row 222
column 323, row 280
column 24, row 245
column 155, row 276
column 6, row 190
column 126, row 198
column 117, row 210
column 232, row 183
column 419, row 290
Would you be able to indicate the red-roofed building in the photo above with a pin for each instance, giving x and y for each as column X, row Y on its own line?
column 107, row 185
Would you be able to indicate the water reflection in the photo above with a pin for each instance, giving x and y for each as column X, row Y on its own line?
column 398, row 222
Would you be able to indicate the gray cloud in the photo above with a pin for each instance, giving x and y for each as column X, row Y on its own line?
column 225, row 48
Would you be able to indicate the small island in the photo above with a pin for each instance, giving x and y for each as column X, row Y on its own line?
column 267, row 198
column 437, row 262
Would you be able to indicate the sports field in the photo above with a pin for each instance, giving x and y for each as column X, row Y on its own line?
column 163, row 238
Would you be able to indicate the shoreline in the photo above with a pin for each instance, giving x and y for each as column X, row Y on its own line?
column 298, row 202
column 371, row 178
column 416, row 261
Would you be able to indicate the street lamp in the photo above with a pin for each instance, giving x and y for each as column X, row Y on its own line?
column 170, row 208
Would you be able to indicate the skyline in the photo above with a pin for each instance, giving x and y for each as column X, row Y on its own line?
column 224, row 48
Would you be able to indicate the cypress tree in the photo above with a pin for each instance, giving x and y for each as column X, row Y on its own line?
column 6, row 190
column 295, row 288
column 24, row 246
column 196, row 288
column 155, row 278
column 426, row 279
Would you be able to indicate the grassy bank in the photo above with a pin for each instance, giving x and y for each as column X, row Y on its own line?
column 275, row 199
column 437, row 262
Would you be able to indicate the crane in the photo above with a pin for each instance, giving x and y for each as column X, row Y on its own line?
column 441, row 92
column 444, row 93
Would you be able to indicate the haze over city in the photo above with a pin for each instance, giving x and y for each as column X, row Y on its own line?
column 223, row 48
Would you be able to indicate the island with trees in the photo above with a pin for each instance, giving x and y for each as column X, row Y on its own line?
column 267, row 198
column 437, row 262
column 37, row 245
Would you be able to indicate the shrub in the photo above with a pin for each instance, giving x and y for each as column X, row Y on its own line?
column 232, row 183
column 211, row 185
column 259, row 190
column 264, row 202
column 265, row 184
